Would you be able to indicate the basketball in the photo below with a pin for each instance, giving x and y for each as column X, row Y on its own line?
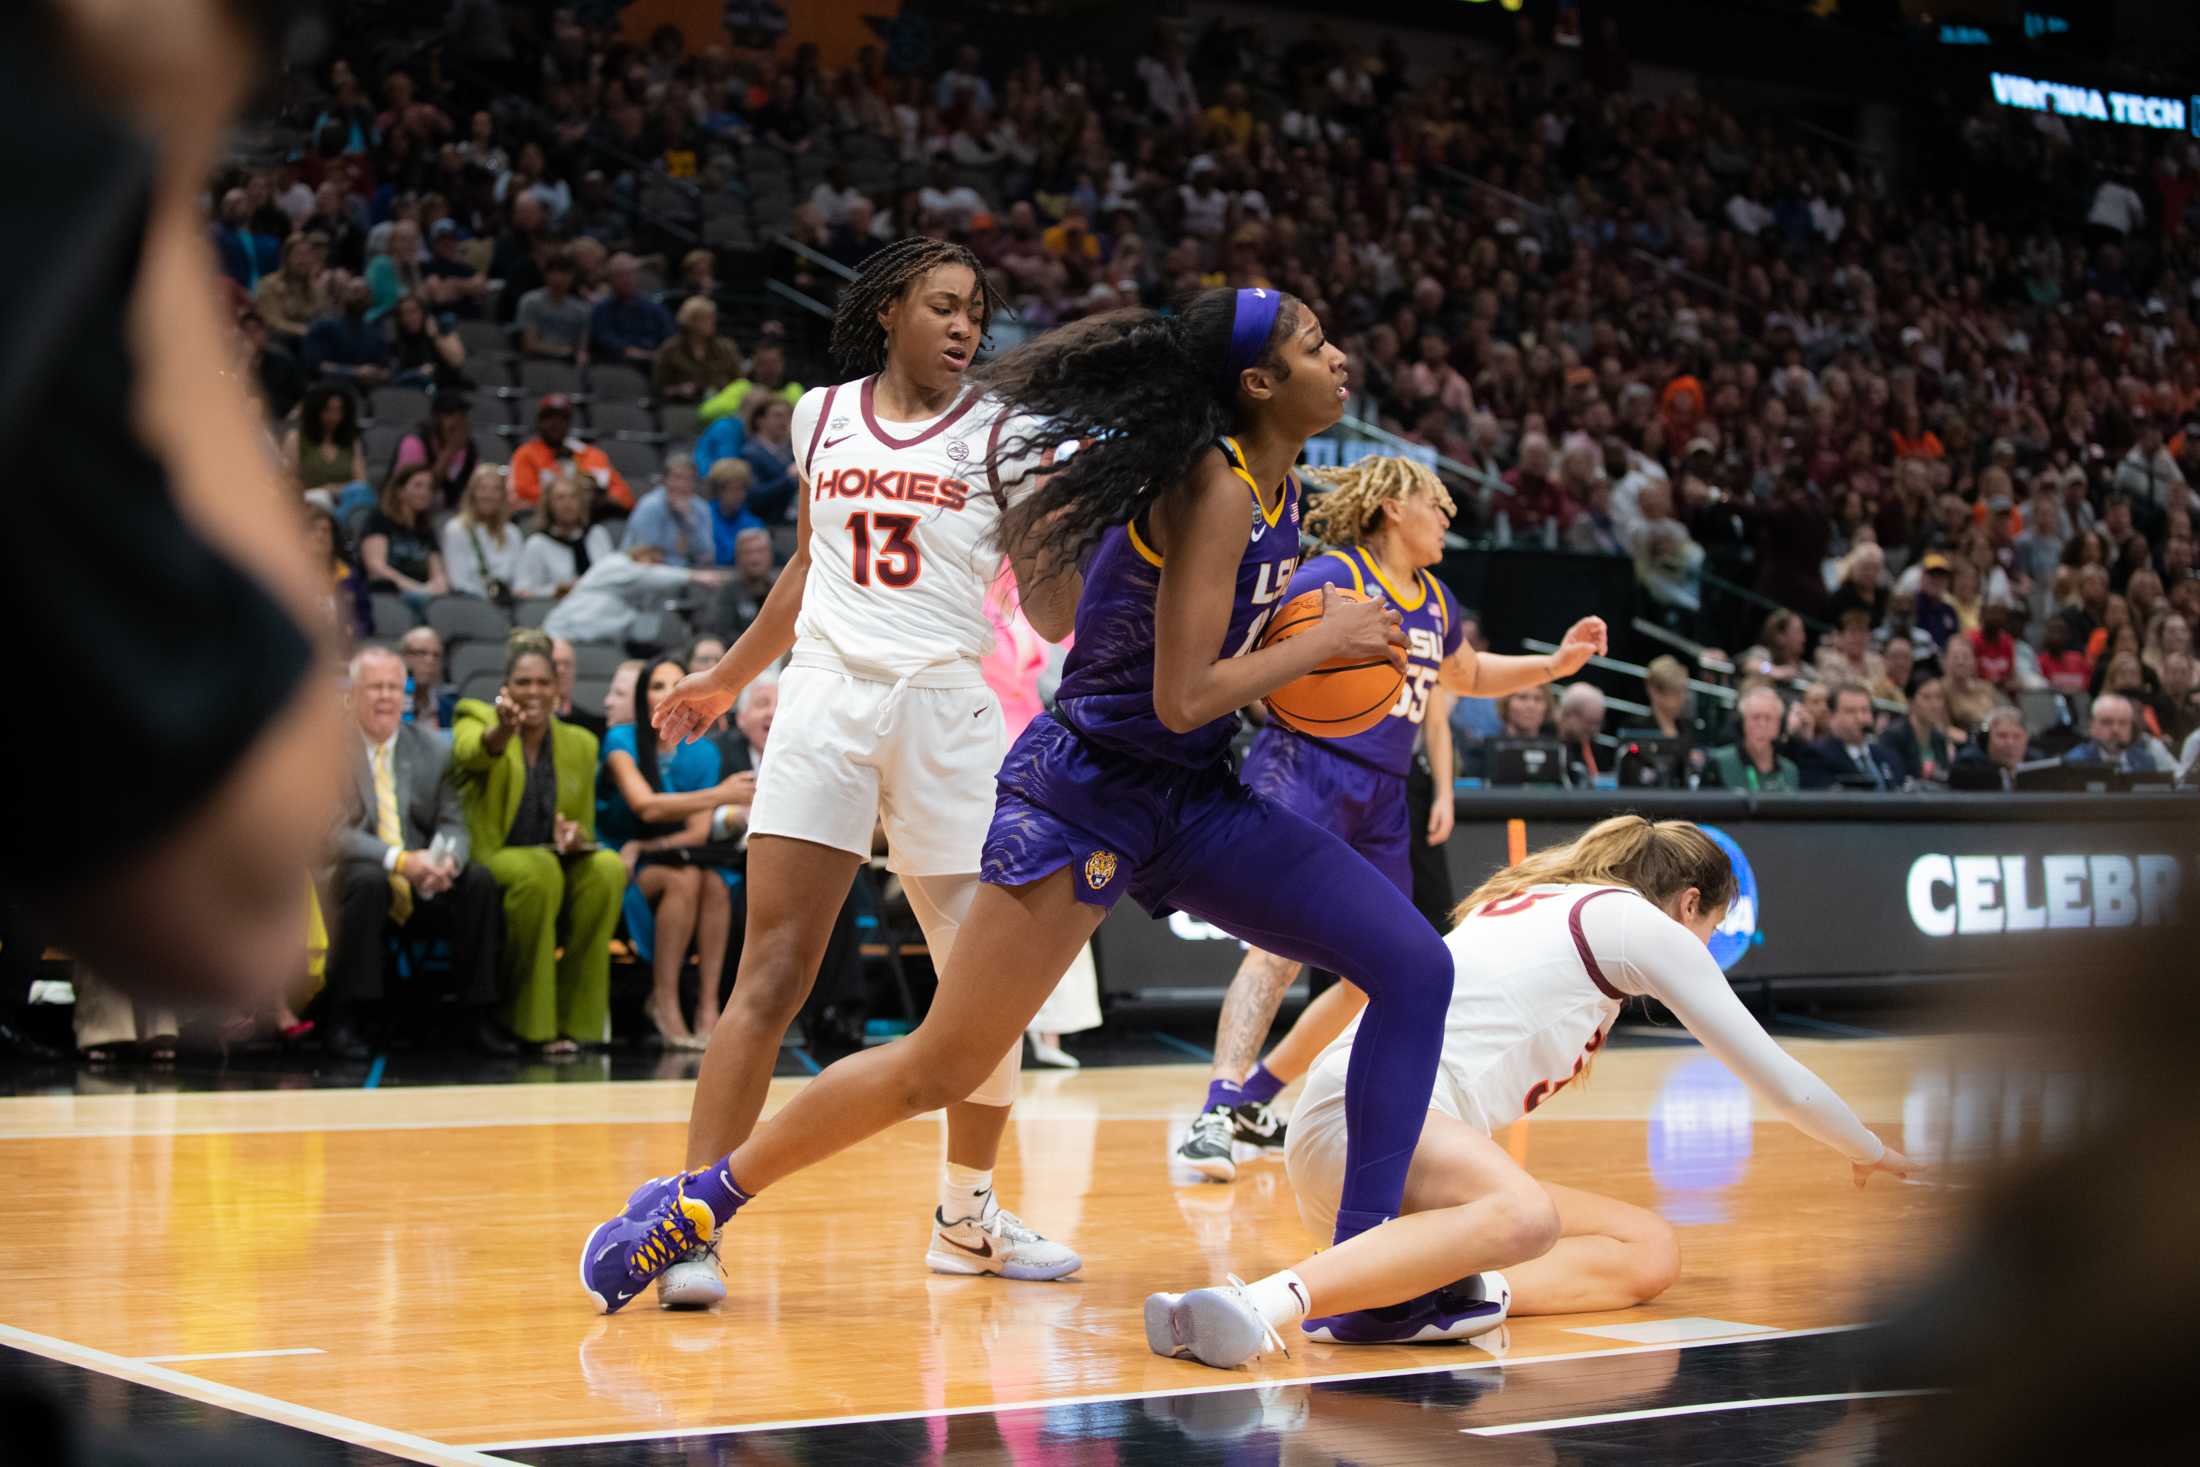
column 1343, row 696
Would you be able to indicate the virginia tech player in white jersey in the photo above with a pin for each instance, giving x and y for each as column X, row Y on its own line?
column 1544, row 955
column 902, row 544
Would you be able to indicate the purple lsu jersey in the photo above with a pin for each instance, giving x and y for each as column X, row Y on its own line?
column 1430, row 621
column 1106, row 693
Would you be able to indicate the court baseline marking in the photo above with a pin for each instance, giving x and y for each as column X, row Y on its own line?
column 1701, row 1408
column 249, row 1403
column 1516, row 1362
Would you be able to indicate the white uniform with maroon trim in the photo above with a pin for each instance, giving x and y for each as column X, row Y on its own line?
column 1537, row 981
column 883, row 713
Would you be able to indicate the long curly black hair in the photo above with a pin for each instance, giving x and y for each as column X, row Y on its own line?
column 1142, row 394
column 858, row 342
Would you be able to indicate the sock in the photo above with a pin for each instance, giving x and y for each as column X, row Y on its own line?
column 1260, row 1087
column 963, row 1191
column 715, row 1188
column 1223, row 1092
column 1280, row 1298
column 1352, row 1224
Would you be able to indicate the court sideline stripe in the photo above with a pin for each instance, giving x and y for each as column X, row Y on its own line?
column 1181, row 1046
column 249, row 1403
column 1701, row 1408
column 229, row 1355
column 1253, row 1384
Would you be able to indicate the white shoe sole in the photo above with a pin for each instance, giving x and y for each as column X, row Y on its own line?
column 695, row 1285
column 1428, row 1333
column 946, row 1258
column 1206, row 1325
column 1213, row 1168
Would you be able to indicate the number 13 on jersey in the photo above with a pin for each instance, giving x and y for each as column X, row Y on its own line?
column 885, row 548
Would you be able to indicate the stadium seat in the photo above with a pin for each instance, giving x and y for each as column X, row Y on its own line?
column 483, row 685
column 638, row 462
column 393, row 616
column 679, row 422
column 403, row 406
column 468, row 619
column 539, row 378
column 483, row 338
column 597, row 659
column 533, row 611
column 469, row 658
column 615, row 381
column 627, row 419
column 379, row 440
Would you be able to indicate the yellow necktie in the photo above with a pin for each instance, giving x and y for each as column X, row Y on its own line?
column 391, row 831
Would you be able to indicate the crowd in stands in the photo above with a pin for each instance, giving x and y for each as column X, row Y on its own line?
column 1943, row 439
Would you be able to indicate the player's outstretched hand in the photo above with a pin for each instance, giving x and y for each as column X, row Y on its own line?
column 1893, row 1163
column 1585, row 639
column 1362, row 628
column 694, row 704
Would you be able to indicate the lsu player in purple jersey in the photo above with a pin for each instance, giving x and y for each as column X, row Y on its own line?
column 1384, row 519
column 1180, row 513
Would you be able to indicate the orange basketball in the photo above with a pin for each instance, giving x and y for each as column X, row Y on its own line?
column 1341, row 697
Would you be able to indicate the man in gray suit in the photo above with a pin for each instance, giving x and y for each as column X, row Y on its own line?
column 401, row 859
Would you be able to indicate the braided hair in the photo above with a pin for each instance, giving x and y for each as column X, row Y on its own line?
column 1141, row 394
column 1353, row 507
column 858, row 342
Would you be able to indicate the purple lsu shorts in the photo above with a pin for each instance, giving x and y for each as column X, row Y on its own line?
column 1363, row 804
column 1121, row 822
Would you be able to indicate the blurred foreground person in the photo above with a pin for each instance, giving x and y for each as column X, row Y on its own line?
column 166, row 593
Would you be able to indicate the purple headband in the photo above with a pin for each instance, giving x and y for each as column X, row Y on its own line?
column 1253, row 316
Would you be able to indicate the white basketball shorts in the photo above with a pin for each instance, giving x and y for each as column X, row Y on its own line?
column 848, row 752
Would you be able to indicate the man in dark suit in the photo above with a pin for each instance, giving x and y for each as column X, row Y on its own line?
column 400, row 801
column 1845, row 758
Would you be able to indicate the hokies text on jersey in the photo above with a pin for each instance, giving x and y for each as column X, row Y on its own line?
column 904, row 485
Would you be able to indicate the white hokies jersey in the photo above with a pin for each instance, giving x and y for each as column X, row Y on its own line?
column 902, row 543
column 1538, row 980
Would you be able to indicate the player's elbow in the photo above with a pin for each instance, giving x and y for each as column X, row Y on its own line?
column 1051, row 625
column 1175, row 710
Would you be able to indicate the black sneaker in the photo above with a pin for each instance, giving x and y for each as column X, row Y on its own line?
column 1207, row 1150
column 1257, row 1125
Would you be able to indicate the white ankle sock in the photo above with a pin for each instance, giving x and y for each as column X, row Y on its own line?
column 963, row 1192
column 1280, row 1298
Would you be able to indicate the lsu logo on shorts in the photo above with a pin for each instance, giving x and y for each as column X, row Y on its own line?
column 1100, row 869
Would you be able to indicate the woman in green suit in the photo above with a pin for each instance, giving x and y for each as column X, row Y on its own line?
column 528, row 782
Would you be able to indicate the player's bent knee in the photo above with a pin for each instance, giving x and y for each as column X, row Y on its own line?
column 1654, row 1261
column 1526, row 1224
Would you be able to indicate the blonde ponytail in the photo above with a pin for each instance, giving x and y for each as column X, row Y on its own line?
column 1659, row 858
column 1353, row 505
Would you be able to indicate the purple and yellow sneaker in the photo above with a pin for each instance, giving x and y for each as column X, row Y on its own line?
column 1474, row 1305
column 660, row 1225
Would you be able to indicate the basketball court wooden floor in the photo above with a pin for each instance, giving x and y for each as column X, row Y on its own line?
column 361, row 1275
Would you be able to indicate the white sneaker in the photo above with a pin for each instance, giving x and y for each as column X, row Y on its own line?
column 1053, row 1056
column 1210, row 1147
column 695, row 1282
column 997, row 1242
column 1218, row 1327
